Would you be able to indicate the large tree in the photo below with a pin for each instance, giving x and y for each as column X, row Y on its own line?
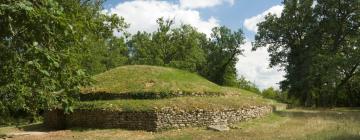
column 316, row 42
column 40, row 44
column 222, row 51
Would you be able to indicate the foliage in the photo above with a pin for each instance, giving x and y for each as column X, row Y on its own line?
column 275, row 94
column 178, row 47
column 247, row 85
column 222, row 52
column 102, row 50
column 317, row 44
column 40, row 43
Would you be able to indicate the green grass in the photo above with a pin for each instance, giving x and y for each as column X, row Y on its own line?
column 183, row 103
column 141, row 78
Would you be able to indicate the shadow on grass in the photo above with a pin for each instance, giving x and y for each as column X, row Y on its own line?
column 38, row 127
column 82, row 129
column 346, row 137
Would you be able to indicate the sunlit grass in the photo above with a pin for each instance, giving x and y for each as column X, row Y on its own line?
column 141, row 78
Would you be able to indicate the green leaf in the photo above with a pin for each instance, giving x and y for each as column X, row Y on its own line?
column 56, row 64
column 45, row 72
column 35, row 43
column 30, row 63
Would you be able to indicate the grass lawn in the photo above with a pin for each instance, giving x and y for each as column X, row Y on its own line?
column 296, row 124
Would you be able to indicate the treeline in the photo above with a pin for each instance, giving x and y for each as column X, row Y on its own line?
column 270, row 92
column 317, row 42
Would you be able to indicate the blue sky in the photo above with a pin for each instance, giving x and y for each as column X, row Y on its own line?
column 204, row 15
column 233, row 16
column 229, row 15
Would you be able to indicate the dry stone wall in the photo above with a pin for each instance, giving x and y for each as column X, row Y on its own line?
column 171, row 118
column 112, row 119
column 55, row 119
column 165, row 118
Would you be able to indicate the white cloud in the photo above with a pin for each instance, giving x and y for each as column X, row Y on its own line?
column 193, row 4
column 142, row 15
column 251, row 23
column 254, row 66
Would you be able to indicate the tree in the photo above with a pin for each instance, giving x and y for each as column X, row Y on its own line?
column 247, row 85
column 40, row 43
column 101, row 50
column 340, row 26
column 178, row 47
column 275, row 94
column 189, row 53
column 317, row 45
column 104, row 54
column 222, row 51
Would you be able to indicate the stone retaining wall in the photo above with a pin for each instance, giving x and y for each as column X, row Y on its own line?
column 165, row 118
column 170, row 118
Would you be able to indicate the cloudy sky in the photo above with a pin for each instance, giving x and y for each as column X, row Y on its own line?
column 204, row 15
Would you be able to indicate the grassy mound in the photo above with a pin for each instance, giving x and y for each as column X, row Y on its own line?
column 190, row 91
column 144, row 81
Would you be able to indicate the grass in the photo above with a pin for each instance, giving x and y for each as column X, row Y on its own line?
column 141, row 78
column 6, row 130
column 314, row 124
column 183, row 103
